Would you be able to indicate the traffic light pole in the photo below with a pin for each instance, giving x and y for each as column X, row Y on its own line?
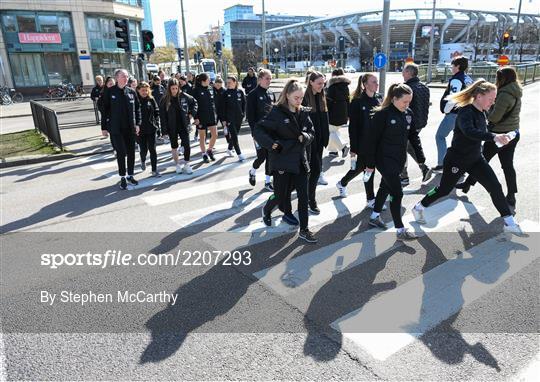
column 515, row 33
column 186, row 50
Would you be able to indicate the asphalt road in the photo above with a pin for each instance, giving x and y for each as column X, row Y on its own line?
column 461, row 303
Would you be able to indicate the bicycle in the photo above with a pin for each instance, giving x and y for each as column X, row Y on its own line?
column 9, row 96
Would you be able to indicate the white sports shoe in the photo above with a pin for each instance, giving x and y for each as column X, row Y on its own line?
column 322, row 179
column 230, row 153
column 418, row 215
column 178, row 168
column 241, row 157
column 371, row 204
column 342, row 190
column 187, row 169
column 514, row 229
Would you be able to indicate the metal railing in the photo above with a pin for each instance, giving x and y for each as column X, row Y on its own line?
column 46, row 121
column 527, row 73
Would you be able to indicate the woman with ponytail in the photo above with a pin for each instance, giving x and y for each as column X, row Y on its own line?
column 388, row 135
column 465, row 154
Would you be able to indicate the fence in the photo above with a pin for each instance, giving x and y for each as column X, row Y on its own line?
column 46, row 121
column 527, row 73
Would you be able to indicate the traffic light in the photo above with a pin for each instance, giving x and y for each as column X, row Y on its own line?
column 180, row 53
column 122, row 35
column 506, row 38
column 148, row 41
column 217, row 48
column 341, row 43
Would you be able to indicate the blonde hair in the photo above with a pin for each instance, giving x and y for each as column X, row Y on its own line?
column 290, row 87
column 467, row 96
column 313, row 76
column 394, row 91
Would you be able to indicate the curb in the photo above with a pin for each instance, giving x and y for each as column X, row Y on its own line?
column 21, row 161
column 16, row 116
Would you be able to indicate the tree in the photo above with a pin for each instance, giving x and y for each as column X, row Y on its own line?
column 164, row 54
column 244, row 58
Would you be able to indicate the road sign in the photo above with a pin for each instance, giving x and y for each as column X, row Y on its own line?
column 379, row 60
column 503, row 60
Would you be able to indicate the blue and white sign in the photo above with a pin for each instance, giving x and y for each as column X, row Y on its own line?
column 380, row 60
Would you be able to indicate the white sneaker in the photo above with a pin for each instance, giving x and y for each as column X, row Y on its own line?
column 230, row 153
column 342, row 190
column 514, row 229
column 418, row 215
column 322, row 179
column 178, row 168
column 371, row 204
column 187, row 169
column 241, row 157
column 181, row 150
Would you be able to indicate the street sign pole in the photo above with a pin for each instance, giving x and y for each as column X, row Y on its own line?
column 385, row 44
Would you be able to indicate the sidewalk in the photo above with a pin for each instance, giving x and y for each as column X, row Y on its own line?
column 15, row 110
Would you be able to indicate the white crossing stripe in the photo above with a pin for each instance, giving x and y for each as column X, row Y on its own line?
column 405, row 313
column 319, row 266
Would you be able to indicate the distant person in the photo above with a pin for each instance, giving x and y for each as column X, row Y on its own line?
column 190, row 78
column 337, row 99
column 458, row 82
column 219, row 91
column 158, row 90
column 185, row 86
column 205, row 118
column 132, row 83
column 250, row 81
column 149, row 127
column 122, row 113
column 96, row 90
column 234, row 110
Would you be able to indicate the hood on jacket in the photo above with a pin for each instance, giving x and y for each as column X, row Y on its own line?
column 513, row 88
column 337, row 80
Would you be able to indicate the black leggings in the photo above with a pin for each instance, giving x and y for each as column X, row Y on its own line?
column 233, row 130
column 262, row 155
column 283, row 184
column 506, row 157
column 147, row 142
column 390, row 185
column 315, row 164
column 351, row 174
column 124, row 144
column 480, row 169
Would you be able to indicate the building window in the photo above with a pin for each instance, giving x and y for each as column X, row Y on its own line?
column 10, row 23
column 61, row 67
column 64, row 24
column 27, row 23
column 28, row 70
column 48, row 23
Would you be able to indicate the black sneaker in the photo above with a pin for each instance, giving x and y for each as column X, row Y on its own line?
column 426, row 173
column 307, row 235
column 464, row 187
column 123, row 183
column 267, row 219
column 377, row 223
column 143, row 166
column 438, row 168
column 314, row 209
column 252, row 178
column 404, row 182
column 210, row 153
column 290, row 219
column 205, row 158
column 269, row 187
column 132, row 180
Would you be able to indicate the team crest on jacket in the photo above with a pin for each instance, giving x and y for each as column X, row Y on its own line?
column 393, row 121
column 286, row 120
column 409, row 119
column 261, row 98
column 455, row 170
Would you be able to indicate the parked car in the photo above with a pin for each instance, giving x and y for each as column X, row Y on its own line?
column 349, row 69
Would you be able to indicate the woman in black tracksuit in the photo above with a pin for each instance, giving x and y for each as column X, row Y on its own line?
column 465, row 154
column 234, row 105
column 388, row 135
column 365, row 98
column 206, row 115
column 176, row 108
column 316, row 100
column 286, row 132
column 149, row 126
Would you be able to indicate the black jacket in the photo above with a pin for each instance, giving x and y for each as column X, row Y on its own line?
column 158, row 91
column 420, row 103
column 457, row 83
column 117, row 116
column 149, row 115
column 258, row 105
column 181, row 107
column 95, row 93
column 359, row 116
column 234, row 102
column 387, row 137
column 337, row 98
column 283, row 127
column 187, row 88
column 249, row 83
column 206, row 108
column 219, row 101
column 469, row 133
column 320, row 122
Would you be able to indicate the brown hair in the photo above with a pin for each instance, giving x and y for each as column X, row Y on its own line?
column 362, row 81
column 290, row 87
column 168, row 96
column 505, row 76
column 263, row 72
column 412, row 68
column 233, row 78
column 467, row 96
column 395, row 91
column 145, row 84
column 309, row 92
column 461, row 62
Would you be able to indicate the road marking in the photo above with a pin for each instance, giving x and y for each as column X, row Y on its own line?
column 320, row 265
column 387, row 324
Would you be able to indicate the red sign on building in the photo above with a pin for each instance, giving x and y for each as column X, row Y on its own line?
column 40, row 38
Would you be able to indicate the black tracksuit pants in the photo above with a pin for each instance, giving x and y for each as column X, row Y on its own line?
column 453, row 169
column 147, row 142
column 506, row 157
column 262, row 156
column 124, row 144
column 233, row 130
column 283, row 183
column 351, row 174
column 315, row 164
column 390, row 185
